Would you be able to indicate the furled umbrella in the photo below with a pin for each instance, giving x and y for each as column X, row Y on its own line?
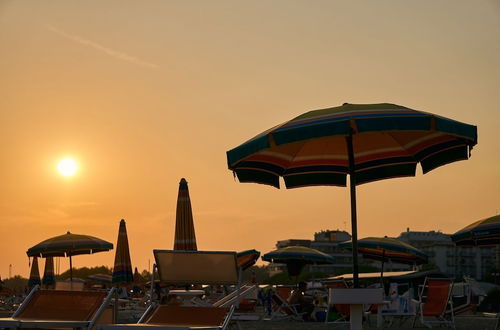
column 185, row 238
column 388, row 249
column 297, row 257
column 369, row 142
column 122, row 269
column 138, row 279
column 48, row 273
column 34, row 274
column 68, row 245
column 247, row 258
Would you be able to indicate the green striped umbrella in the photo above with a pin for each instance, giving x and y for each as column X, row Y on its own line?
column 485, row 232
column 68, row 245
column 296, row 257
column 369, row 142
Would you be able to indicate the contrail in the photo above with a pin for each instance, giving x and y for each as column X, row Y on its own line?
column 106, row 50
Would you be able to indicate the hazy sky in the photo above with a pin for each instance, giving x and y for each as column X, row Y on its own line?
column 143, row 93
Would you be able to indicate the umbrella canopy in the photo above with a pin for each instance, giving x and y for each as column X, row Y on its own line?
column 385, row 249
column 296, row 257
column 485, row 232
column 122, row 269
column 247, row 258
column 34, row 274
column 101, row 278
column 367, row 141
column 185, row 238
column 138, row 279
column 69, row 245
column 48, row 273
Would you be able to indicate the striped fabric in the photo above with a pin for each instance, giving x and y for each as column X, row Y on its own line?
column 389, row 140
column 247, row 258
column 296, row 257
column 385, row 249
column 48, row 273
column 69, row 245
column 185, row 238
column 122, row 269
column 485, row 232
column 34, row 274
column 101, row 278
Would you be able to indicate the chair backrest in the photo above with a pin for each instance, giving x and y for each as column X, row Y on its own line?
column 196, row 267
column 69, row 285
column 231, row 298
column 281, row 304
column 62, row 305
column 188, row 316
column 284, row 292
column 342, row 309
column 436, row 292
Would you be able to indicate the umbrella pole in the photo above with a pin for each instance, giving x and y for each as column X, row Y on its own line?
column 70, row 270
column 354, row 225
column 382, row 269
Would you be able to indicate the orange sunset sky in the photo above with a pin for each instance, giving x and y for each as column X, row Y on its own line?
column 143, row 93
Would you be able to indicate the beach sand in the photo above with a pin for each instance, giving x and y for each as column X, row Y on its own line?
column 462, row 322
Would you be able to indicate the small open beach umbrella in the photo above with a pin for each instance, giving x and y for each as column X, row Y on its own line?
column 34, row 274
column 247, row 258
column 485, row 232
column 68, row 245
column 296, row 257
column 122, row 269
column 101, row 278
column 385, row 249
column 369, row 142
column 48, row 273
column 185, row 238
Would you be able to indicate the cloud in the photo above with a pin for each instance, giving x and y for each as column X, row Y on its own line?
column 111, row 52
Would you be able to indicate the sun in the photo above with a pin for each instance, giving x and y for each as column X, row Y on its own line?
column 67, row 167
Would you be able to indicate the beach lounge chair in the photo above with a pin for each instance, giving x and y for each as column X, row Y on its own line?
column 183, row 268
column 283, row 310
column 434, row 305
column 234, row 297
column 61, row 309
column 342, row 310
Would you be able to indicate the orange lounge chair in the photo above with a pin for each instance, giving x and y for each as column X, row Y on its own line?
column 61, row 309
column 435, row 305
column 182, row 268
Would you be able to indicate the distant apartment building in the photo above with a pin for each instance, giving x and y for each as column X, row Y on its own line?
column 452, row 260
column 325, row 241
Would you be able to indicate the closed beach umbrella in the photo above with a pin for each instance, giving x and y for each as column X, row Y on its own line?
column 296, row 257
column 122, row 269
column 48, row 273
column 385, row 249
column 485, row 232
column 247, row 258
column 68, row 245
column 138, row 279
column 34, row 274
column 185, row 238
column 369, row 142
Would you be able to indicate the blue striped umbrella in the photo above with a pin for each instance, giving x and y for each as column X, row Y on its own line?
column 34, row 274
column 369, row 142
column 485, row 232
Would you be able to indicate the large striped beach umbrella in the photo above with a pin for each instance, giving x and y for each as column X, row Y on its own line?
column 369, row 142
column 185, row 238
column 296, row 257
column 247, row 258
column 34, row 274
column 122, row 269
column 68, row 245
column 485, row 232
column 48, row 273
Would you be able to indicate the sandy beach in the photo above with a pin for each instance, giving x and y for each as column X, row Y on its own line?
column 462, row 322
